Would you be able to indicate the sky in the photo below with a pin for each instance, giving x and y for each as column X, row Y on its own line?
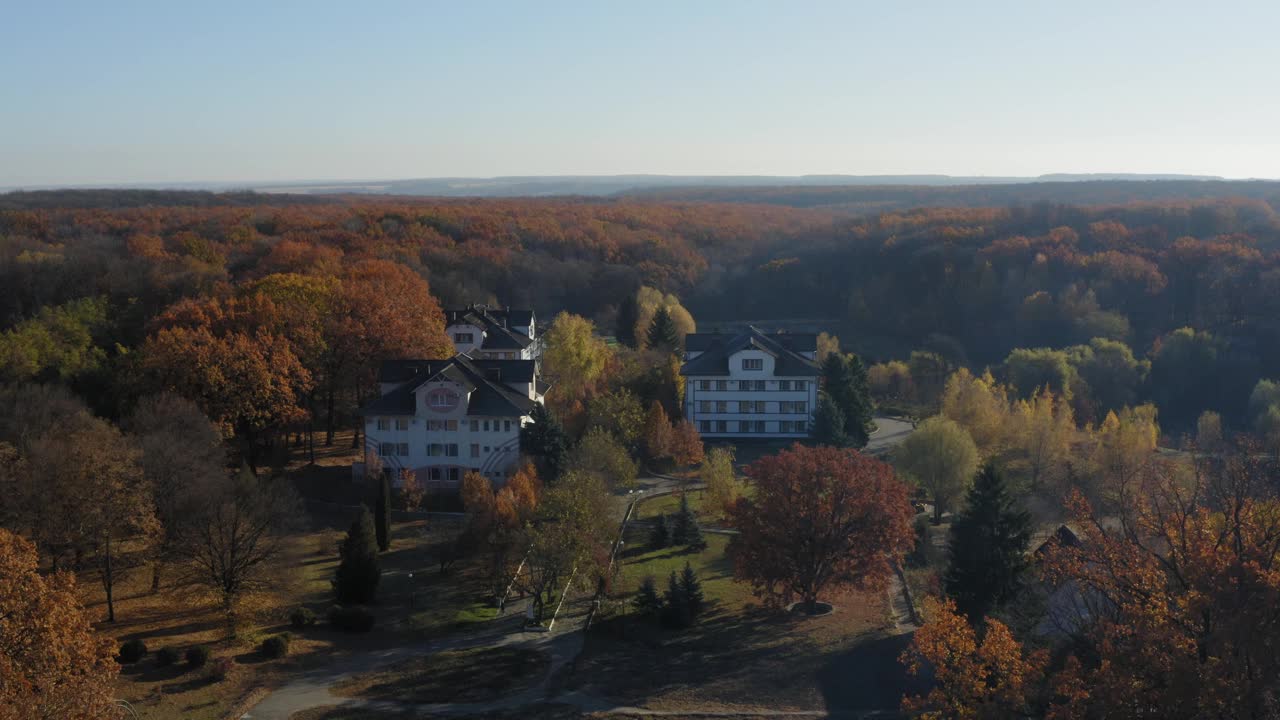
column 165, row 92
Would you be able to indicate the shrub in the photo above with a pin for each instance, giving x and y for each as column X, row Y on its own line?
column 302, row 617
column 351, row 619
column 221, row 668
column 197, row 656
column 132, row 651
column 276, row 646
column 357, row 575
column 167, row 656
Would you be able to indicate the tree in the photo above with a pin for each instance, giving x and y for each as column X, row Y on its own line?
column 659, row 533
column 1122, row 447
column 239, row 531
column 662, row 333
column 691, row 589
column 356, row 579
column 569, row 539
column 821, row 518
column 182, row 458
column 619, row 412
column 980, row 406
column 1187, row 376
column 657, row 433
column 574, row 358
column 599, row 453
column 845, row 381
column 941, row 458
column 412, row 494
column 988, row 548
column 929, row 373
column 647, row 602
column 891, row 382
column 52, row 664
column 685, row 530
column 1045, row 428
column 686, row 445
column 1209, row 435
column 987, row 678
column 1113, row 374
column 1030, row 371
column 628, row 315
column 827, row 345
column 382, row 512
column 828, row 422
column 649, row 301
column 722, row 489
column 544, row 439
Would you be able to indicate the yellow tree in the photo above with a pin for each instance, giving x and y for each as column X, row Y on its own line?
column 1045, row 428
column 718, row 475
column 574, row 358
column 1122, row 448
column 648, row 302
column 981, row 406
column 827, row 345
column 941, row 458
column 657, row 432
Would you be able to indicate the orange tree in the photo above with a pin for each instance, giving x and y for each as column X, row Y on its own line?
column 822, row 518
column 52, row 664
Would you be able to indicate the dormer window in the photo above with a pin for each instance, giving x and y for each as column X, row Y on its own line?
column 752, row 363
column 464, row 338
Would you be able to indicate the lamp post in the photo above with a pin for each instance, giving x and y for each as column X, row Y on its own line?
column 412, row 592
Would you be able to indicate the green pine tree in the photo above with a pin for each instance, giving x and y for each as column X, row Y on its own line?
column 356, row 579
column 691, row 588
column 663, row 334
column 828, row 423
column 660, row 533
column 685, row 530
column 988, row 548
column 845, row 380
column 628, row 315
column 676, row 611
column 382, row 511
column 545, row 440
column 647, row 602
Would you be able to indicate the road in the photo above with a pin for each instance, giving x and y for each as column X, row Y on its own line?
column 889, row 432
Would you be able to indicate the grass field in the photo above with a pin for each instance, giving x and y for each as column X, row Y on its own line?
column 475, row 675
column 738, row 656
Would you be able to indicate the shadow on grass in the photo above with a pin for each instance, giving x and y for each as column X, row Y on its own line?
column 868, row 677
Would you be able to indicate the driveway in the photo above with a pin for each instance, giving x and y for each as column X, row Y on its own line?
column 889, row 433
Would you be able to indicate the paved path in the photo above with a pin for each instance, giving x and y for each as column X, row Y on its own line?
column 889, row 432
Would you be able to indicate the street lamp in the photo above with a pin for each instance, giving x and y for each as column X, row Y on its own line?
column 412, row 593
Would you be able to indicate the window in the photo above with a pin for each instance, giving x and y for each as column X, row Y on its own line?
column 784, row 385
column 506, row 426
column 759, row 386
column 752, row 363
column 475, row 450
column 722, row 385
column 784, row 426
column 435, row 450
column 402, row 449
column 722, row 406
column 802, row 385
column 785, row 406
column 435, row 425
column 704, row 426
column 386, row 449
column 453, row 475
column 384, row 423
column 486, row 426
column 402, row 423
column 463, row 338
column 434, row 474
column 450, row 425
column 475, row 426
column 704, row 406
column 451, row 450
column 802, row 406
column 759, row 426
column 704, row 384
column 722, row 426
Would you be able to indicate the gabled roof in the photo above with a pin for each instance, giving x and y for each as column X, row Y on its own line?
column 716, row 349
column 498, row 325
column 485, row 380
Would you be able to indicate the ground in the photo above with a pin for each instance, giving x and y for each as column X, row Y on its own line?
column 180, row 616
column 739, row 656
column 473, row 675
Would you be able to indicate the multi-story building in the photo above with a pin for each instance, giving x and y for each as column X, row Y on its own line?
column 444, row 418
column 481, row 331
column 751, row 384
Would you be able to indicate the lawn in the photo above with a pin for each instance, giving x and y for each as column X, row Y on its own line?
column 180, row 617
column 738, row 656
column 475, row 675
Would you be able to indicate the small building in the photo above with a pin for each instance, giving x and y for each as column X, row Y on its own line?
column 751, row 384
column 444, row 418
column 485, row 332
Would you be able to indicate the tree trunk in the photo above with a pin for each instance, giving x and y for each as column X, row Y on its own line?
column 328, row 418
column 108, row 582
column 155, row 576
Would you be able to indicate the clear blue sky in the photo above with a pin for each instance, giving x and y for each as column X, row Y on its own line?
column 172, row 91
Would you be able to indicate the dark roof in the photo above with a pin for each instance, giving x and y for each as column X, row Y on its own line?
column 486, row 380
column 716, row 348
column 498, row 325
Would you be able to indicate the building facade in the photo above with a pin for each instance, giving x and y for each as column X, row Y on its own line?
column 444, row 418
column 485, row 332
column 751, row 384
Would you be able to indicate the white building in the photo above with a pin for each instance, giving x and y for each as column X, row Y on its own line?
column 751, row 384
column 443, row 418
column 485, row 332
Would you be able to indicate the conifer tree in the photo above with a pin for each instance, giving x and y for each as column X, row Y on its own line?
column 828, row 423
column 663, row 334
column 647, row 601
column 676, row 611
column 685, row 530
column 691, row 589
column 628, row 314
column 545, row 440
column 660, row 533
column 845, row 380
column 382, row 512
column 988, row 548
column 357, row 576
